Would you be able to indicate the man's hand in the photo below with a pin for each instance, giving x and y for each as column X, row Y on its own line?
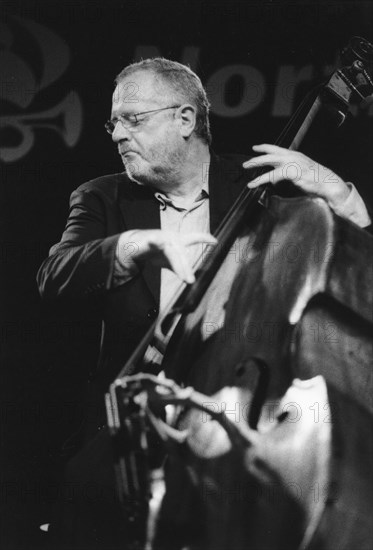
column 162, row 248
column 311, row 177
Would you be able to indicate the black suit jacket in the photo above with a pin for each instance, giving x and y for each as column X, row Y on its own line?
column 81, row 267
column 81, row 264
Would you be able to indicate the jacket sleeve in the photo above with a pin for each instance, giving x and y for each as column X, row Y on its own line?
column 354, row 208
column 82, row 263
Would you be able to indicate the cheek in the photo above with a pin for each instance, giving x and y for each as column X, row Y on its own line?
column 169, row 143
column 158, row 147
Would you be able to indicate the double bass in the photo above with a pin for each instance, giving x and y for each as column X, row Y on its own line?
column 265, row 412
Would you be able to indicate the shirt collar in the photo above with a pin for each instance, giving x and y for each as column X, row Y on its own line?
column 185, row 202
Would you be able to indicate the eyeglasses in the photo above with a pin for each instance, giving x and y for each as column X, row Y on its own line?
column 132, row 122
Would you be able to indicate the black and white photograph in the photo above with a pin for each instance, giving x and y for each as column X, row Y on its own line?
column 186, row 254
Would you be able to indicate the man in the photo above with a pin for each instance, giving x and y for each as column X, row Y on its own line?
column 124, row 227
column 130, row 237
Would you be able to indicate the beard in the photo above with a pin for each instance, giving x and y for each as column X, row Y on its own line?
column 159, row 170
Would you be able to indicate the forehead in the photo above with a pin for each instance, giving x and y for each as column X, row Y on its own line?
column 137, row 89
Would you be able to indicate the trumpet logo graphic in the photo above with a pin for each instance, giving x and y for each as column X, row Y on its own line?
column 25, row 81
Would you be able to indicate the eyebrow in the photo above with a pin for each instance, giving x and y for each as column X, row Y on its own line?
column 116, row 113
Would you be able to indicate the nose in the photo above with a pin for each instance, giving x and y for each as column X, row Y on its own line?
column 120, row 133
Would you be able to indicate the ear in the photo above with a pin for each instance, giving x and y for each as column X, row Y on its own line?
column 187, row 116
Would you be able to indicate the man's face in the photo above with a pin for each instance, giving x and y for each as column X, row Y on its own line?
column 153, row 150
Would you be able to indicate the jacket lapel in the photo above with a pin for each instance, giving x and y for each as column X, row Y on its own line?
column 140, row 210
column 226, row 180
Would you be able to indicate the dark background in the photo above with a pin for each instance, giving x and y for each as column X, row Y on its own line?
column 56, row 86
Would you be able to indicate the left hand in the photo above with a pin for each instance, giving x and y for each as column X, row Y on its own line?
column 308, row 175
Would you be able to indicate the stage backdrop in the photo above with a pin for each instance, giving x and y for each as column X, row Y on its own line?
column 58, row 61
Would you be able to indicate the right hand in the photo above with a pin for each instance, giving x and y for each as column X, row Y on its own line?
column 163, row 249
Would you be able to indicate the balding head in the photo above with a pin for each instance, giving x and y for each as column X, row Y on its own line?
column 180, row 84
